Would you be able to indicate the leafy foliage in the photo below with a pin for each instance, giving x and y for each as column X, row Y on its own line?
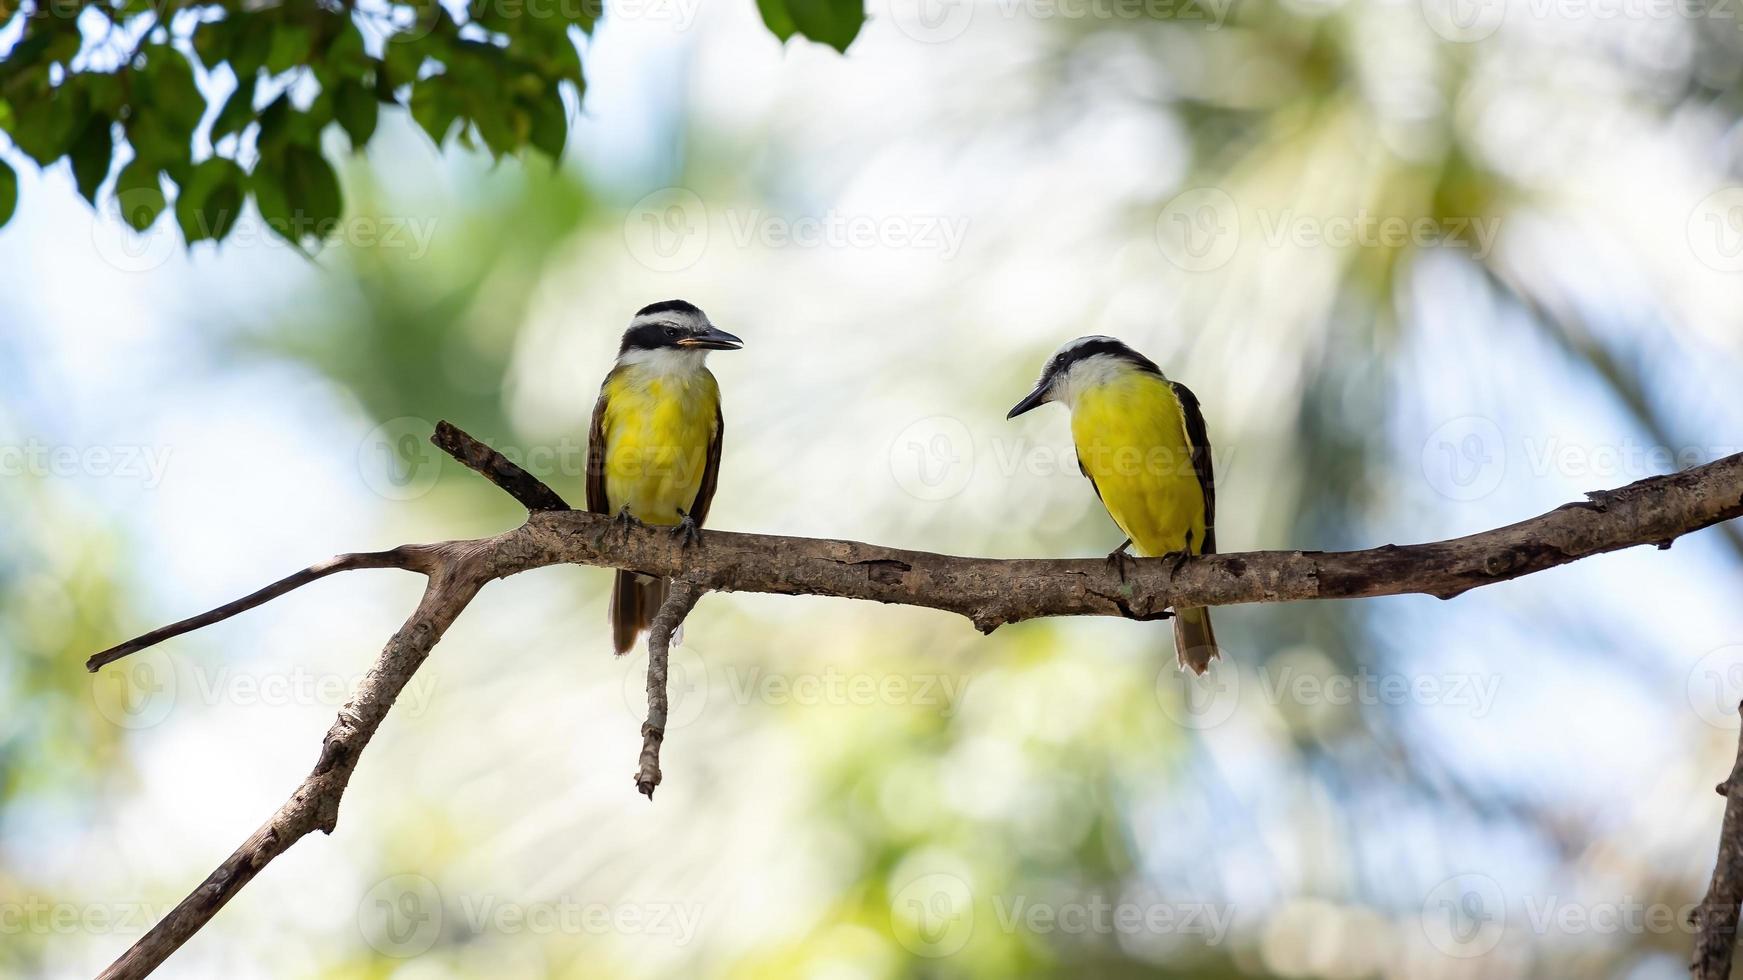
column 87, row 79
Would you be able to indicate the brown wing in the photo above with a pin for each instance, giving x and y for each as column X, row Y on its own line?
column 1085, row 471
column 1199, row 439
column 711, row 473
column 596, row 501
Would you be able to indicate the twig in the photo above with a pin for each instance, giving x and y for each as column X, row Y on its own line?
column 1716, row 917
column 315, row 804
column 410, row 557
column 521, row 485
column 989, row 592
column 679, row 601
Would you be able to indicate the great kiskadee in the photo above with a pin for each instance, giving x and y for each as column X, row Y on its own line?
column 653, row 454
column 1141, row 441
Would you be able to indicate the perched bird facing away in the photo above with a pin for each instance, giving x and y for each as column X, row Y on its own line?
column 653, row 454
column 1141, row 441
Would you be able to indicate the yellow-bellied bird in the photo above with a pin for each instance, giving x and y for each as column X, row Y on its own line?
column 1141, row 441
column 653, row 454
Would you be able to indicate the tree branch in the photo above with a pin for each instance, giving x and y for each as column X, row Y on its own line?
column 1716, row 917
column 989, row 592
column 411, row 557
column 315, row 804
column 679, row 601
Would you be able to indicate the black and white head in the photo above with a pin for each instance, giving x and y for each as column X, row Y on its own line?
column 672, row 333
column 1080, row 365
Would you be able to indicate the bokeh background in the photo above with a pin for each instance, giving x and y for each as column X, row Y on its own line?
column 1431, row 267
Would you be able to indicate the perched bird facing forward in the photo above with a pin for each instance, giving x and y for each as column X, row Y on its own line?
column 653, row 454
column 1141, row 441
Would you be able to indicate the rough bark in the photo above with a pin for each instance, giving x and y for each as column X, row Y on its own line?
column 1716, row 917
column 989, row 592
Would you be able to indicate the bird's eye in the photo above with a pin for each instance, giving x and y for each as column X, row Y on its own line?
column 671, row 331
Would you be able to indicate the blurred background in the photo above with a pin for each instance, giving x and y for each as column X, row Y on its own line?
column 1431, row 268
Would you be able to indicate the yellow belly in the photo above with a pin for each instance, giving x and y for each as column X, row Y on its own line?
column 657, row 433
column 1131, row 439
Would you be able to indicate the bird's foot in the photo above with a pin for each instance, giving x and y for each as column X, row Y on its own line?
column 625, row 521
column 688, row 532
column 1178, row 558
column 1119, row 558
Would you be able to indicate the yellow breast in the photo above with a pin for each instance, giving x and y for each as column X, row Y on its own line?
column 658, row 427
column 1131, row 438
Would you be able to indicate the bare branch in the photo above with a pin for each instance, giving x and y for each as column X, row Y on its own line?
column 679, row 601
column 1717, row 915
column 495, row 467
column 989, row 592
column 315, row 804
column 410, row 557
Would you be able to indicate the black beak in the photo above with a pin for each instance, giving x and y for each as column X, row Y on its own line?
column 713, row 338
column 1031, row 400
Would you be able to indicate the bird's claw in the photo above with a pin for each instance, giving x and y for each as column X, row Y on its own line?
column 1179, row 558
column 625, row 521
column 1119, row 558
column 687, row 531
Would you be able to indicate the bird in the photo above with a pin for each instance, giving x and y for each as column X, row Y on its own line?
column 653, row 450
column 1141, row 441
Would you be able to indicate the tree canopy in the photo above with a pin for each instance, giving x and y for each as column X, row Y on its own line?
column 206, row 105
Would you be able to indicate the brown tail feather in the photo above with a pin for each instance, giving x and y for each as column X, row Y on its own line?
column 1194, row 640
column 634, row 600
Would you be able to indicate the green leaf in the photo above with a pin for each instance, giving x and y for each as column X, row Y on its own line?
column 434, row 107
column 833, row 22
column 776, row 18
column 213, row 40
column 139, row 193
column 298, row 194
column 92, row 153
column 45, row 130
column 356, row 109
column 346, row 55
column 8, row 193
column 172, row 91
column 211, row 201
column 253, row 43
column 289, row 48
column 238, row 110
column 550, row 125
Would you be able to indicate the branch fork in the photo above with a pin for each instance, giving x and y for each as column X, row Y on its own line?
column 988, row 592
